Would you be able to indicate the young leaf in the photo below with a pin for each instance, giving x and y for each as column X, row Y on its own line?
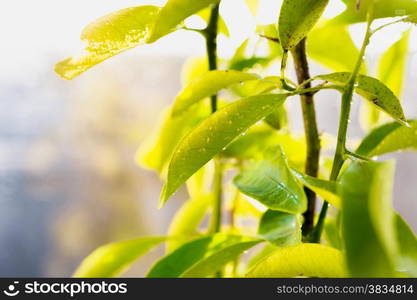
column 271, row 182
column 281, row 229
column 372, row 90
column 253, row 6
column 306, row 260
column 173, row 13
column 206, row 85
column 156, row 151
column 297, row 18
column 389, row 138
column 108, row 36
column 214, row 134
column 327, row 190
column 367, row 218
column 383, row 9
column 202, row 257
column 407, row 244
column 112, row 259
column 333, row 47
column 186, row 221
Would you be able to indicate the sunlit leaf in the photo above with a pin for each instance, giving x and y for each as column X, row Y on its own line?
column 407, row 242
column 173, row 13
column 253, row 6
column 383, row 9
column 332, row 233
column 297, row 18
column 206, row 85
column 281, row 229
column 202, row 257
column 271, row 182
column 193, row 68
column 278, row 119
column 213, row 135
column 306, row 260
column 368, row 219
column 156, row 151
column 389, row 138
column 112, row 259
column 108, row 36
column 391, row 72
column 327, row 190
column 372, row 90
column 221, row 26
column 186, row 221
column 333, row 47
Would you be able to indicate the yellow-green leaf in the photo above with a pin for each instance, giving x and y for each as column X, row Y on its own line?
column 108, row 36
column 297, row 18
column 327, row 190
column 372, row 90
column 367, row 218
column 173, row 13
column 383, row 9
column 333, row 47
column 389, row 138
column 206, row 85
column 407, row 244
column 202, row 257
column 112, row 259
column 157, row 149
column 186, row 221
column 270, row 181
column 214, row 134
column 306, row 260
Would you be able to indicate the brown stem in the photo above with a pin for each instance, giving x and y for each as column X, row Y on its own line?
column 311, row 131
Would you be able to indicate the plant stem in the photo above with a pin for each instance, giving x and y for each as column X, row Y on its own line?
column 347, row 95
column 311, row 131
column 211, row 47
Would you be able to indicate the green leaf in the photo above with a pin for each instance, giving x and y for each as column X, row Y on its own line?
column 368, row 219
column 108, row 36
column 306, row 260
column 327, row 190
column 173, row 13
column 332, row 233
column 206, row 85
column 202, row 257
column 113, row 259
column 157, row 149
column 281, row 229
column 389, row 138
column 278, row 119
column 297, row 18
column 372, row 90
column 407, row 242
column 271, row 182
column 383, row 9
column 392, row 64
column 333, row 47
column 186, row 221
column 213, row 135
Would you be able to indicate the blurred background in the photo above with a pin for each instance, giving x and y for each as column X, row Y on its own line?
column 68, row 178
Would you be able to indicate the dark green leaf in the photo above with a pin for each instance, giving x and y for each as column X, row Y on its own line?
column 297, row 18
column 303, row 260
column 202, row 257
column 173, row 13
column 368, row 219
column 281, row 229
column 112, row 259
column 271, row 182
column 213, row 135
column 389, row 138
column 372, row 90
column 108, row 36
